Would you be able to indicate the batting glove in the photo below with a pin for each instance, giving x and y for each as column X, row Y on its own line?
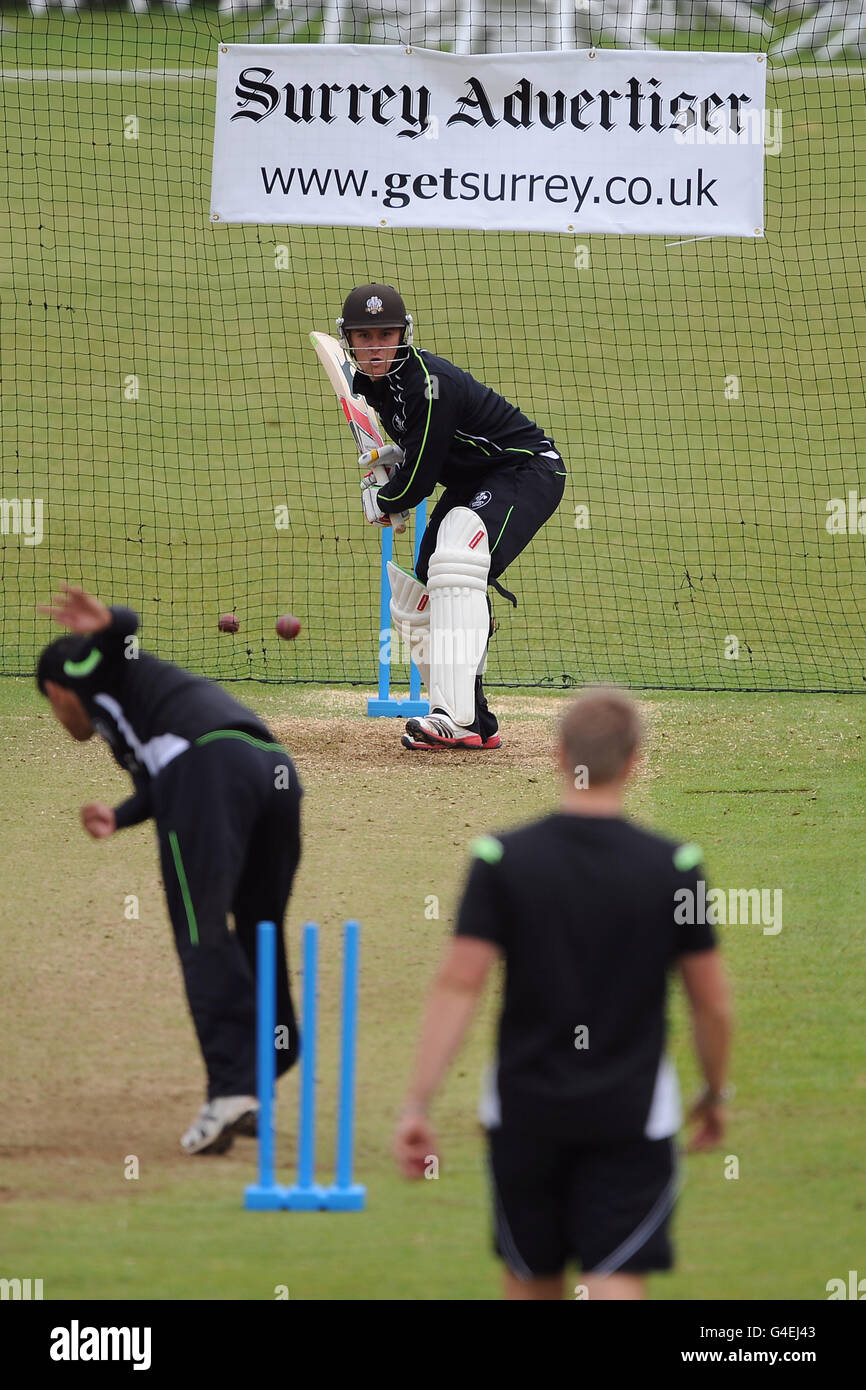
column 370, row 485
column 390, row 456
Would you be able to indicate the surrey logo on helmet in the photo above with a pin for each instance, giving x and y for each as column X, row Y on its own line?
column 379, row 306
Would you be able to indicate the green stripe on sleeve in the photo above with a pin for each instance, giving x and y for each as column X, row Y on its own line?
column 688, row 856
column 426, row 428
column 488, row 848
column 82, row 668
column 239, row 733
column 184, row 887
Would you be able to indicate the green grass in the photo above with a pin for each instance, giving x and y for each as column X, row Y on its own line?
column 101, row 1062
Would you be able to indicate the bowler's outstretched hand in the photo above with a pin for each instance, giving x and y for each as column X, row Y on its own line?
column 77, row 610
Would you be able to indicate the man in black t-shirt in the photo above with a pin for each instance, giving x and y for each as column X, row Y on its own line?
column 583, row 1106
column 226, row 800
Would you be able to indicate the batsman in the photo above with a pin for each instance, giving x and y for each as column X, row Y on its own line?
column 503, row 479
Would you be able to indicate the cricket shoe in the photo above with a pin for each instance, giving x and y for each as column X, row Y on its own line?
column 217, row 1123
column 247, row 1126
column 438, row 730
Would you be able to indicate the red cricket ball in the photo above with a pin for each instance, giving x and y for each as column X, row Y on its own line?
column 288, row 626
column 228, row 623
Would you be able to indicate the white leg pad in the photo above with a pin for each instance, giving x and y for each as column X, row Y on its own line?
column 459, row 621
column 410, row 615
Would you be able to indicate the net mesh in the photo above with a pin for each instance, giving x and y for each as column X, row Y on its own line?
column 170, row 441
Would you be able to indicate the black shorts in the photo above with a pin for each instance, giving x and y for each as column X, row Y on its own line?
column 513, row 500
column 606, row 1207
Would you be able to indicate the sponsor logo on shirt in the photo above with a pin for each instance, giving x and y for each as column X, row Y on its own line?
column 480, row 499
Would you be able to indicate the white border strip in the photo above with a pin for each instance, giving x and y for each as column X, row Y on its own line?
column 836, row 73
column 780, row 73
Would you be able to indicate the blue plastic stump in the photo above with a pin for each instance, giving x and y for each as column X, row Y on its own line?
column 266, row 1195
column 344, row 1195
column 305, row 1194
column 386, row 704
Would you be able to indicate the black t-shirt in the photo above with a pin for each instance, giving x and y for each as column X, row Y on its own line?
column 585, row 913
column 148, row 710
column 452, row 429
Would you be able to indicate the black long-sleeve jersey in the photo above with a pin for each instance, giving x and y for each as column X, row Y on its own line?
column 148, row 710
column 452, row 429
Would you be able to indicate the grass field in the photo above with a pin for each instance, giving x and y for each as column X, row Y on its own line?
column 707, row 519
column 101, row 1062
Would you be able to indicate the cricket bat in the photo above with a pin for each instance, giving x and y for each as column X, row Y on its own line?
column 361, row 417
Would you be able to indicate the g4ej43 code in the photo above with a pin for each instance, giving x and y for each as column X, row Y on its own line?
column 733, row 1334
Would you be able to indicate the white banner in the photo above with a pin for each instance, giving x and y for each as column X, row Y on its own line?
column 600, row 141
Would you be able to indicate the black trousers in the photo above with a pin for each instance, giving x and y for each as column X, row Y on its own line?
column 514, row 501
column 228, row 822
